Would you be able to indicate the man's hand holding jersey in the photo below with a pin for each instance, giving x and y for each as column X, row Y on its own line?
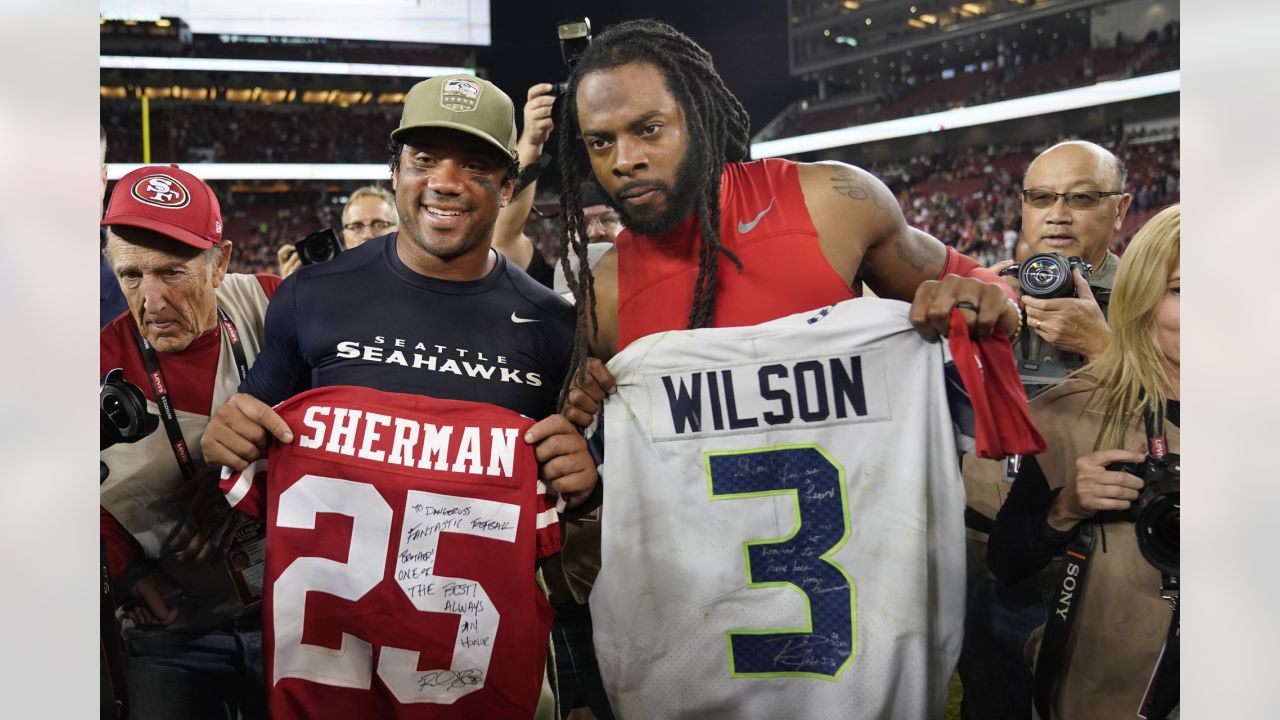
column 931, row 307
column 241, row 431
column 564, row 462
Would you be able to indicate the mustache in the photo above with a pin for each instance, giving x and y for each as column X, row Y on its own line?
column 431, row 197
column 639, row 186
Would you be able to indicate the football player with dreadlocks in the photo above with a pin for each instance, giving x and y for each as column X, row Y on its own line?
column 714, row 240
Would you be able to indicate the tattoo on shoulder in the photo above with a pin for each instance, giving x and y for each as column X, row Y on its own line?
column 847, row 183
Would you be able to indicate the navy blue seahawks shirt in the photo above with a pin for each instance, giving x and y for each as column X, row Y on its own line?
column 366, row 319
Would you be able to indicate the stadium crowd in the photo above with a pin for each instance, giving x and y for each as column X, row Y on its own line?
column 968, row 200
column 1008, row 73
column 251, row 577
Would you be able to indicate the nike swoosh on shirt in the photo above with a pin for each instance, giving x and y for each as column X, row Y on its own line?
column 744, row 228
column 517, row 319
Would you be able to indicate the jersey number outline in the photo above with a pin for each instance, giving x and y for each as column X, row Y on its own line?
column 352, row 664
column 800, row 561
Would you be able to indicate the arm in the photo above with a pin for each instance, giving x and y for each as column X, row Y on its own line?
column 585, row 398
column 146, row 588
column 1035, row 522
column 508, row 233
column 279, row 371
column 861, row 229
column 1021, row 542
column 240, row 430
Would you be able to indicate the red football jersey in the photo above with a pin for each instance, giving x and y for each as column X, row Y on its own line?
column 403, row 533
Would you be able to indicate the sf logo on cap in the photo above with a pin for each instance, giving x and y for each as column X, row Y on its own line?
column 161, row 191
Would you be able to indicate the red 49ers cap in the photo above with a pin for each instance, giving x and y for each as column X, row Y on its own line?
column 170, row 201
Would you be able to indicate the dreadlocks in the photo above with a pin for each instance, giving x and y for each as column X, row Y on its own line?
column 718, row 130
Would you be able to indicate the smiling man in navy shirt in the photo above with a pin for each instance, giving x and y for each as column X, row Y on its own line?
column 430, row 309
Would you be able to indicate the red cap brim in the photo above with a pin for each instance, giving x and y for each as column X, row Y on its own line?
column 145, row 222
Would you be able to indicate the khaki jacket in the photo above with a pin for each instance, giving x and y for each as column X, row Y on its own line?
column 1121, row 620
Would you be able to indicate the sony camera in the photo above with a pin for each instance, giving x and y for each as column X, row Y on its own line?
column 575, row 36
column 123, row 411
column 1155, row 514
column 320, row 246
column 1048, row 275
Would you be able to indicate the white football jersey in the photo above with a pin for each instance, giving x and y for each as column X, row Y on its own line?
column 783, row 525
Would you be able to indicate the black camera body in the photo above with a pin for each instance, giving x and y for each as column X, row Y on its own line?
column 1048, row 275
column 123, row 416
column 1155, row 514
column 320, row 246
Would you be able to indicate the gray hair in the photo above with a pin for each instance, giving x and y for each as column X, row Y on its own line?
column 377, row 191
column 212, row 257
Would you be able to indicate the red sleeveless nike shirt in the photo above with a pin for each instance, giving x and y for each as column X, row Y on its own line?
column 764, row 221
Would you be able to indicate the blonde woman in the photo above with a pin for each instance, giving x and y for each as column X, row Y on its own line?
column 1067, row 495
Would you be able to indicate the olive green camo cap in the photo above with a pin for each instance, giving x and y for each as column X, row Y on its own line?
column 464, row 103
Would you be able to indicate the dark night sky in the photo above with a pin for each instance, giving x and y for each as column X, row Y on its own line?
column 746, row 39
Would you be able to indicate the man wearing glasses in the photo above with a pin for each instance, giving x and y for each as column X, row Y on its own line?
column 369, row 213
column 603, row 225
column 1073, row 203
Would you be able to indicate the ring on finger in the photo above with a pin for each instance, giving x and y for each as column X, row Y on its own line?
column 1036, row 324
column 966, row 305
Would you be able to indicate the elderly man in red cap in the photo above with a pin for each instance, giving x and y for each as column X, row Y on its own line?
column 193, row 627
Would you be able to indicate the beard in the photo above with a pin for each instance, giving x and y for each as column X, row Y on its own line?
column 680, row 200
column 446, row 246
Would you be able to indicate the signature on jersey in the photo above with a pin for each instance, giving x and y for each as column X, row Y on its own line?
column 450, row 678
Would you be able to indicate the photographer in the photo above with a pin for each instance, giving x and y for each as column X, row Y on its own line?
column 194, row 642
column 1072, row 204
column 1101, row 664
column 369, row 212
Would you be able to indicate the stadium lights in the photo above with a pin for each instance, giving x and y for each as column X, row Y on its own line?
column 266, row 171
column 1100, row 94
column 298, row 67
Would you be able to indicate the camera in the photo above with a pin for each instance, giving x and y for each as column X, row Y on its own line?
column 575, row 36
column 1155, row 514
column 1048, row 275
column 123, row 411
column 320, row 246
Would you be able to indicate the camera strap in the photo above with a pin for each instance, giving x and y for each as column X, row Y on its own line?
column 1162, row 691
column 1057, row 630
column 529, row 173
column 167, row 414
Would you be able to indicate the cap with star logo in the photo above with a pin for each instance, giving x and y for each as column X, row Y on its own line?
column 464, row 103
column 170, row 201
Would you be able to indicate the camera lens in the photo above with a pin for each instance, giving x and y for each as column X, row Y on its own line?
column 115, row 411
column 1159, row 532
column 320, row 252
column 1046, row 276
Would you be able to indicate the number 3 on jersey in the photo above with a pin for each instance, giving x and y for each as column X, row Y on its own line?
column 800, row 561
column 352, row 665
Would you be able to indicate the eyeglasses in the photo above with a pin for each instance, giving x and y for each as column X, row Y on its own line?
column 1077, row 200
column 376, row 226
column 604, row 218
